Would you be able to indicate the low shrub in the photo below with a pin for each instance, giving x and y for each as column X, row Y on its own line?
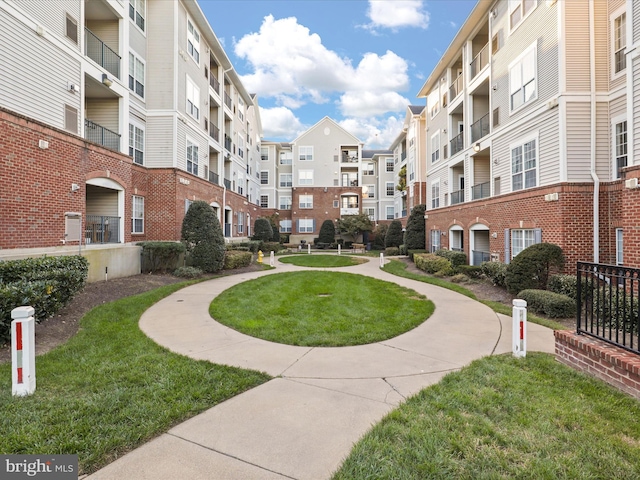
column 533, row 266
column 434, row 264
column 403, row 249
column 237, row 259
column 187, row 272
column 495, row 271
column 267, row 247
column 471, row 271
column 553, row 305
column 161, row 256
column 391, row 251
column 459, row 278
column 411, row 253
column 566, row 285
column 612, row 307
column 456, row 258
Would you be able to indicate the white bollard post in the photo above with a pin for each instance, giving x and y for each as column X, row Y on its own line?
column 272, row 260
column 381, row 259
column 339, row 249
column 519, row 334
column 23, row 351
column 309, row 249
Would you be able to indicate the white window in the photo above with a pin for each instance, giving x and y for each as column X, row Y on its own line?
column 285, row 180
column 285, row 203
column 240, row 108
column 305, row 225
column 136, row 75
column 286, row 158
column 136, row 144
column 264, row 178
column 370, row 191
column 187, row 204
column 390, row 189
column 305, row 177
column 264, row 154
column 193, row 99
column 137, row 217
column 519, row 10
column 240, row 222
column 619, row 245
column 137, row 12
column 305, row 153
column 367, row 169
column 521, row 239
column 524, row 171
column 193, row 41
column 264, row 201
column 522, row 79
column 619, row 42
column 285, row 226
column 371, row 213
column 390, row 213
column 435, row 194
column 435, row 147
column 620, row 138
column 434, row 244
column 71, row 119
column 192, row 157
column 306, row 201
column 433, row 102
column 389, row 164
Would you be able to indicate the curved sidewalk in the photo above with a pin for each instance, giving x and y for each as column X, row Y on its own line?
column 304, row 422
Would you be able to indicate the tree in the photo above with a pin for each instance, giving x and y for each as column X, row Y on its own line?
column 380, row 235
column 354, row 225
column 415, row 235
column 394, row 234
column 274, row 228
column 327, row 232
column 531, row 268
column 203, row 238
column 262, row 230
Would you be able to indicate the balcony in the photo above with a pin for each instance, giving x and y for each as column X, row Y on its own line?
column 479, row 61
column 214, row 178
column 482, row 190
column 227, row 142
column 100, row 229
column 227, row 100
column 349, row 159
column 457, row 197
column 215, row 84
column 480, row 128
column 103, row 136
column 480, row 257
column 214, row 132
column 456, row 144
column 227, row 184
column 100, row 53
column 456, row 87
column 349, row 211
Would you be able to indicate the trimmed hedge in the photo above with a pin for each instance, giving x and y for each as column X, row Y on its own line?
column 187, row 272
column 391, row 251
column 531, row 268
column 471, row 271
column 235, row 259
column 161, row 256
column 432, row 263
column 549, row 303
column 411, row 253
column 456, row 258
column 495, row 271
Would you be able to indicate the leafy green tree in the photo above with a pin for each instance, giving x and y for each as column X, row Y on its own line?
column 531, row 268
column 354, row 225
column 327, row 232
column 262, row 230
column 203, row 238
column 274, row 228
column 415, row 235
column 394, row 234
column 380, row 234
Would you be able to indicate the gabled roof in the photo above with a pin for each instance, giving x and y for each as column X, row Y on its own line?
column 373, row 153
column 417, row 109
column 334, row 124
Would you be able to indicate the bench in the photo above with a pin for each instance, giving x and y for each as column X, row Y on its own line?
column 357, row 247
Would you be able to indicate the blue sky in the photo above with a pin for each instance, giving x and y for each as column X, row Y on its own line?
column 360, row 62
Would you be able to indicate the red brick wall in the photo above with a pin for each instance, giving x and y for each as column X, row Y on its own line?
column 615, row 366
column 323, row 208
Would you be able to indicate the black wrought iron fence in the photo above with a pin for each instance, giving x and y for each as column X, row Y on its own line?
column 608, row 298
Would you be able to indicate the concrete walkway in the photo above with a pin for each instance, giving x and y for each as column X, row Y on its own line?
column 304, row 422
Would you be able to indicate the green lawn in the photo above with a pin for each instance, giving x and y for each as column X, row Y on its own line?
column 110, row 389
column 322, row 260
column 318, row 308
column 503, row 417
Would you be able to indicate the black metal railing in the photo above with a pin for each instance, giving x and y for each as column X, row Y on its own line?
column 456, row 143
column 227, row 142
column 227, row 184
column 100, row 229
column 480, row 128
column 479, row 61
column 479, row 257
column 227, row 100
column 482, row 190
column 100, row 53
column 457, row 197
column 215, row 84
column 214, row 132
column 608, row 297
column 101, row 135
column 214, row 177
column 227, row 229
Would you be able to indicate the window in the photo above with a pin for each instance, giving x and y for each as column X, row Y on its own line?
column 336, row 204
column 264, row 201
column 349, row 201
column 390, row 213
column 433, row 102
column 370, row 191
column 240, row 108
column 619, row 245
column 435, row 147
column 286, row 158
column 192, row 157
column 519, row 10
column 305, row 154
column 619, row 33
column 434, row 244
column 136, row 144
column 285, row 226
column 264, row 154
column 522, row 79
column 496, row 116
column 389, row 164
column 621, row 147
column 371, row 213
column 435, row 194
column 136, row 75
column 240, row 222
column 193, row 42
column 390, row 189
column 71, row 27
column 368, row 169
column 137, row 218
column 495, row 42
column 305, row 225
column 306, row 201
column 523, row 166
column 305, row 177
column 286, row 180
column 264, row 178
column 523, row 238
column 285, row 203
column 187, row 204
column 137, row 12
column 71, row 119
column 193, row 99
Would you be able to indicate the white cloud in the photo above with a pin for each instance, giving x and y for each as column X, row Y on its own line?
column 368, row 104
column 280, row 122
column 375, row 133
column 395, row 14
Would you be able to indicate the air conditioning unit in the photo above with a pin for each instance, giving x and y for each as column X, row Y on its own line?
column 552, row 103
column 631, row 183
column 74, row 88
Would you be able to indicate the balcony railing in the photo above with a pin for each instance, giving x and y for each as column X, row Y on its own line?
column 227, row 100
column 227, row 229
column 227, row 184
column 214, row 178
column 349, row 159
column 101, row 54
column 214, row 132
column 100, row 135
column 457, row 143
column 479, row 61
column 227, row 142
column 215, row 84
column 480, row 257
column 482, row 190
column 101, row 229
column 457, row 197
column 480, row 128
column 456, row 87
column 403, row 155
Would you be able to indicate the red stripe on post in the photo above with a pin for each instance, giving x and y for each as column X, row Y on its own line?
column 19, row 336
column 20, row 375
column 521, row 330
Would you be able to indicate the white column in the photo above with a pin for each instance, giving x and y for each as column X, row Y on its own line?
column 519, row 333
column 23, row 351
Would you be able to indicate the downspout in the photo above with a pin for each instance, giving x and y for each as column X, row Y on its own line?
column 594, row 175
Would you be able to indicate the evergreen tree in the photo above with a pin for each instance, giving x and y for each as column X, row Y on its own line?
column 262, row 230
column 415, row 235
column 394, row 234
column 203, row 238
column 327, row 232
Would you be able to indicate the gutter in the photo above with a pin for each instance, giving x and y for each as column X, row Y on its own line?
column 594, row 175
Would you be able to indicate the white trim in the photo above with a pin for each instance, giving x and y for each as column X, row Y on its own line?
column 139, row 58
column 510, row 9
column 133, row 214
column 194, row 143
column 520, row 143
column 431, row 149
column 195, row 102
column 619, row 246
column 614, row 163
column 193, row 43
column 144, row 18
column 518, row 61
column 307, row 181
column 612, row 51
column 139, row 125
column 435, row 183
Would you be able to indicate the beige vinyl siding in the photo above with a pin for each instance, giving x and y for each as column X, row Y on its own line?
column 159, row 134
column 161, row 17
column 605, row 9
column 576, row 21
column 137, row 39
column 37, row 88
column 635, row 65
column 602, row 46
column 102, row 201
column 635, row 15
column 107, row 31
column 603, row 141
column 188, row 66
column 618, row 106
column 441, row 174
column 203, row 147
column 578, row 141
column 51, row 15
column 104, row 112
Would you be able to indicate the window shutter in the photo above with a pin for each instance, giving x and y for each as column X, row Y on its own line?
column 507, row 246
column 298, row 226
column 313, row 225
column 537, row 235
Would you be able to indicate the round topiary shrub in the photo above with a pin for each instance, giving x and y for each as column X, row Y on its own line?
column 394, row 234
column 415, row 235
column 327, row 232
column 203, row 238
column 262, row 230
column 532, row 267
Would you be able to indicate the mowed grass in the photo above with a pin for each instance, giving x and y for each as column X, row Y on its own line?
column 503, row 417
column 322, row 260
column 318, row 308
column 110, row 389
